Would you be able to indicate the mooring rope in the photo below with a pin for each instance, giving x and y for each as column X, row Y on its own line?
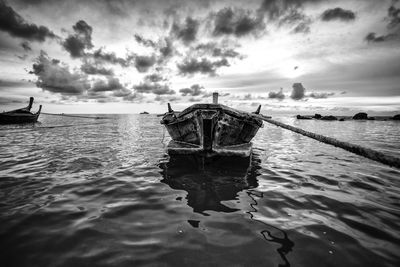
column 75, row 116
column 356, row 149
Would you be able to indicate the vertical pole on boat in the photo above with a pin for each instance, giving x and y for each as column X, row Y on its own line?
column 30, row 103
column 215, row 98
column 169, row 108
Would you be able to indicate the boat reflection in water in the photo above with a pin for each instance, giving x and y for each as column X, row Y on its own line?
column 209, row 181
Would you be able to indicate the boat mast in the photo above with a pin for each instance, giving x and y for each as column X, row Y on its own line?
column 215, row 98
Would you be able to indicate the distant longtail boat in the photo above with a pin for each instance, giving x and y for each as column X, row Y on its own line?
column 211, row 129
column 23, row 115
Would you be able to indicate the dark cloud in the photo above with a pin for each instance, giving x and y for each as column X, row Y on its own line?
column 393, row 17
column 57, row 78
column 26, row 46
column 320, row 95
column 144, row 63
column 194, row 90
column 294, row 17
column 77, row 43
column 238, row 22
column 143, row 41
column 393, row 27
column 298, row 91
column 186, row 32
column 133, row 97
column 110, row 57
column 155, row 88
column 204, row 66
column 276, row 9
column 216, row 50
column 111, row 84
column 93, row 69
column 338, row 14
column 276, row 95
column 371, row 37
column 155, row 77
column 12, row 23
column 166, row 48
column 227, row 52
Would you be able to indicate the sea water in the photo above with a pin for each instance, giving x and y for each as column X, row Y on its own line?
column 85, row 192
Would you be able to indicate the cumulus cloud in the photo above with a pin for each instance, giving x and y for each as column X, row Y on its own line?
column 338, row 13
column 372, row 37
column 276, row 9
column 166, row 48
column 214, row 49
column 93, row 69
column 109, row 57
column 276, row 95
column 58, row 78
column 143, row 41
column 192, row 66
column 144, row 63
column 77, row 43
column 186, row 32
column 295, row 18
column 12, row 23
column 194, row 90
column 238, row 22
column 155, row 77
column 155, row 88
column 297, row 91
column 393, row 17
column 111, row 84
column 393, row 27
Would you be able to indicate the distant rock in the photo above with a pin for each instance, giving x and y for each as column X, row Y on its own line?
column 144, row 112
column 360, row 116
column 317, row 116
column 299, row 117
column 371, row 118
column 342, row 119
column 329, row 118
column 396, row 117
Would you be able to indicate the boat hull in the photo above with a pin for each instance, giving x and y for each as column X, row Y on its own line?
column 211, row 129
column 14, row 118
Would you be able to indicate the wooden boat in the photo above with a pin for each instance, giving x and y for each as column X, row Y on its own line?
column 212, row 129
column 23, row 115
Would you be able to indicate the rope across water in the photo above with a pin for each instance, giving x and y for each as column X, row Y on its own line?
column 75, row 116
column 356, row 149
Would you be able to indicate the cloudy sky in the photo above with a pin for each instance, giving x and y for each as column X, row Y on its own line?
column 126, row 56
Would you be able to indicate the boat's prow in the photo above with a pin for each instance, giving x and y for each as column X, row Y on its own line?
column 23, row 115
column 211, row 129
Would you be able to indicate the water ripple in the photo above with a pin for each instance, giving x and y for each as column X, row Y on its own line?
column 84, row 193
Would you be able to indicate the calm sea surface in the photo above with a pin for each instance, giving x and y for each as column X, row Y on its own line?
column 83, row 192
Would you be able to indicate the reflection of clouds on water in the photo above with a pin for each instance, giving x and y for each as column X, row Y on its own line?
column 210, row 181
